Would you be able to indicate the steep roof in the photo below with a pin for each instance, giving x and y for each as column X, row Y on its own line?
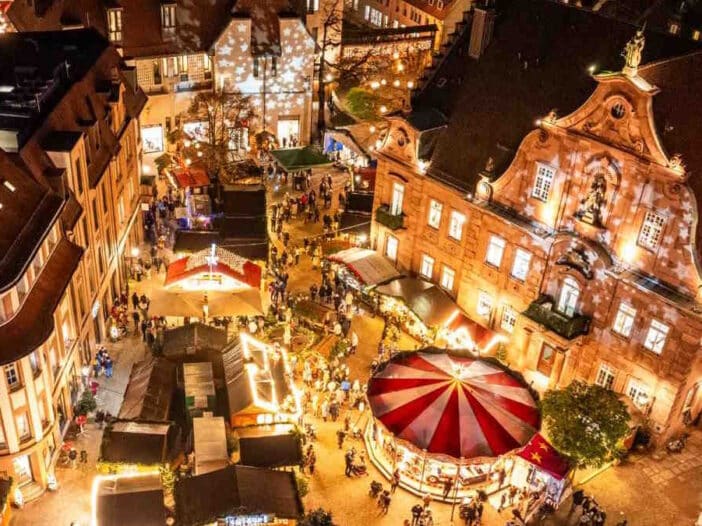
column 538, row 60
column 265, row 23
column 198, row 22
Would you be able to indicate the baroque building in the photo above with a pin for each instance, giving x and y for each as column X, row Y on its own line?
column 560, row 208
column 69, row 179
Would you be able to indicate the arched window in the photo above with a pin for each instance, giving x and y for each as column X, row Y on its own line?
column 568, row 299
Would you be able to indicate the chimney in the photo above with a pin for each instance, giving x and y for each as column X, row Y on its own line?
column 481, row 29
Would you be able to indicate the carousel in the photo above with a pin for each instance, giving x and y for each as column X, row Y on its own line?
column 445, row 421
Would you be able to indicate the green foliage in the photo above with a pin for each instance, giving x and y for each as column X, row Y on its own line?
column 363, row 104
column 585, row 422
column 168, row 479
column 340, row 348
column 318, row 517
column 86, row 404
column 303, row 484
column 163, row 162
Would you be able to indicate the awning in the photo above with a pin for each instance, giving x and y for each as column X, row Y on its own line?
column 246, row 302
column 224, row 262
column 367, row 265
column 544, row 456
column 431, row 304
column 293, row 159
column 193, row 177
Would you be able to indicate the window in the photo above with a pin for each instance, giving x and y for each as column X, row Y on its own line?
column 495, row 250
column 484, row 308
column 638, row 392
column 426, row 269
column 456, row 225
column 391, row 247
column 651, row 230
column 520, row 266
column 624, row 321
column 114, row 25
column 546, row 359
column 168, row 21
column 568, row 300
column 435, row 209
column 447, row 277
column 312, row 6
column 35, row 363
column 255, row 67
column 605, row 376
column 656, row 336
column 543, row 182
column 158, row 77
column 374, row 16
column 509, row 318
column 398, row 194
column 12, row 376
column 23, row 426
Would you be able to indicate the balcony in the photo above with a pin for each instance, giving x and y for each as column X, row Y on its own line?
column 542, row 311
column 385, row 218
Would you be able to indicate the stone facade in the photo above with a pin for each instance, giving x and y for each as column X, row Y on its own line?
column 581, row 252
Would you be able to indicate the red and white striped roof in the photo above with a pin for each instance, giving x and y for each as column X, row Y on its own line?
column 451, row 405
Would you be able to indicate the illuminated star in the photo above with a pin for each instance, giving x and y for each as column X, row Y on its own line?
column 543, row 446
column 536, row 458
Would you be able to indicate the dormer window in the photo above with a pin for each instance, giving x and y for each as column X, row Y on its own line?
column 114, row 25
column 168, row 21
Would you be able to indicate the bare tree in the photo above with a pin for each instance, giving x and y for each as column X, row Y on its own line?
column 332, row 17
column 223, row 117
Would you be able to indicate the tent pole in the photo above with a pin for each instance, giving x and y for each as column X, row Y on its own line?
column 424, row 465
column 455, row 487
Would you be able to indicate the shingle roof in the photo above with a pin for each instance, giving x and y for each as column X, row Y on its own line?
column 538, row 60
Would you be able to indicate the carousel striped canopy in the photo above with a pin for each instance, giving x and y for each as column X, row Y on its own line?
column 453, row 405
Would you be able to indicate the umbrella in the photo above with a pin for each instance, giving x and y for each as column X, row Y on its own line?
column 451, row 405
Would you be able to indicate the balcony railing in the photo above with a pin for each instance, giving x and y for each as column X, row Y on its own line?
column 385, row 218
column 542, row 311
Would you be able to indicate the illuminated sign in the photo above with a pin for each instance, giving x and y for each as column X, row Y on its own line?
column 248, row 520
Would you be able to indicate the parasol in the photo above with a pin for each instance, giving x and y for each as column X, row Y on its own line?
column 451, row 405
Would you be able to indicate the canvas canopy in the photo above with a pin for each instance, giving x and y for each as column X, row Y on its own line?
column 295, row 159
column 369, row 267
column 431, row 304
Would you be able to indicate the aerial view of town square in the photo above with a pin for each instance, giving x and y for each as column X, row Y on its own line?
column 350, row 262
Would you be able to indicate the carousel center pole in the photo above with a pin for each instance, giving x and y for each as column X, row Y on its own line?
column 424, row 465
column 455, row 487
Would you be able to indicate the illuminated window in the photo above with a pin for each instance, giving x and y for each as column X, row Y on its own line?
column 605, row 376
column 638, row 392
column 456, row 225
column 398, row 194
column 426, row 269
column 312, row 6
column 484, row 307
column 520, row 266
column 168, row 21
column 651, row 230
column 624, row 321
column 568, row 300
column 391, row 247
column 543, row 182
column 509, row 319
column 374, row 16
column 546, row 359
column 435, row 209
column 656, row 336
column 495, row 250
column 23, row 426
column 114, row 25
column 447, row 277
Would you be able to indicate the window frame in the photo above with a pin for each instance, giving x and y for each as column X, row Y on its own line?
column 445, row 270
column 524, row 253
column 508, row 313
column 656, row 346
column 396, row 204
column 545, row 366
column 622, row 314
column 433, row 202
column 388, row 240
column 114, row 24
column 484, row 305
column 456, row 236
column 568, row 309
column 422, row 261
column 498, row 240
column 651, row 231
column 543, row 182
column 12, row 368
column 606, row 376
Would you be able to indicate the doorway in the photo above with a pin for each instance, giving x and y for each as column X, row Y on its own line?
column 23, row 470
column 289, row 132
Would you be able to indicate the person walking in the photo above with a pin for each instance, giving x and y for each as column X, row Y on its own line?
column 108, row 366
column 340, row 436
column 417, row 510
column 395, row 480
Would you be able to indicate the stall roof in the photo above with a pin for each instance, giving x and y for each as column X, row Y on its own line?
column 149, row 391
column 367, row 265
column 235, row 490
column 540, row 453
column 480, row 335
column 355, row 223
column 429, row 302
column 292, row 159
column 269, row 446
column 193, row 177
column 210, row 444
column 227, row 263
column 130, row 500
column 135, row 442
column 191, row 338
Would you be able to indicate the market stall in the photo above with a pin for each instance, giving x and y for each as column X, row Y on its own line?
column 296, row 161
column 362, row 268
column 538, row 466
column 445, row 419
column 461, row 332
